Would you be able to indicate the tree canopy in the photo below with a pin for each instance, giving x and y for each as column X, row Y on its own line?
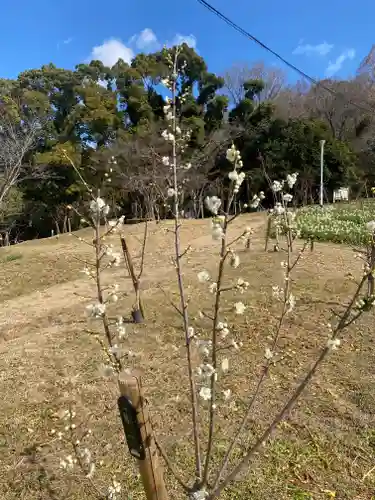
column 111, row 120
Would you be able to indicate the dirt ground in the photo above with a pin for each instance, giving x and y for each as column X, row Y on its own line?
column 49, row 362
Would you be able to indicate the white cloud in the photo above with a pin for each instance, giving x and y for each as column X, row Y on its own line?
column 322, row 49
column 111, row 51
column 335, row 66
column 190, row 40
column 146, row 39
column 68, row 41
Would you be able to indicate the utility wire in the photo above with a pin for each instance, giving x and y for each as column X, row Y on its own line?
column 281, row 58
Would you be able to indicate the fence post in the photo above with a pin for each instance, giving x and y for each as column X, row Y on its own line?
column 139, row 436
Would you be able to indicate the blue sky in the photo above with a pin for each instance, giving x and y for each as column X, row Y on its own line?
column 324, row 37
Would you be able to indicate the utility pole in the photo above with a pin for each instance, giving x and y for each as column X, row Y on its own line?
column 322, row 142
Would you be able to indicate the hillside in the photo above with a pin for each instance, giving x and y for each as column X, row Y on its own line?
column 48, row 361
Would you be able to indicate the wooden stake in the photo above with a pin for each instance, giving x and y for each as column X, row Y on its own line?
column 150, row 470
column 135, row 280
column 268, row 233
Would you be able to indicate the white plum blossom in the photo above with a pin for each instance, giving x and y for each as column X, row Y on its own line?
column 204, row 347
column 233, row 155
column 255, row 201
column 96, row 310
column 234, row 260
column 99, row 206
column 217, row 231
column 291, row 179
column 165, row 160
column 213, row 203
column 114, row 256
column 171, row 192
column 333, row 344
column 227, row 393
column 201, row 494
column 239, row 181
column 115, row 350
column 277, row 186
column 242, row 285
column 279, row 209
column 233, row 175
column 207, row 370
column 113, row 490
column 268, row 354
column 121, row 330
column 68, row 463
column 291, row 302
column 235, row 344
column 91, row 471
column 205, row 393
column 239, row 307
column 168, row 136
column 225, row 365
column 277, row 292
column 223, row 329
column 203, row 276
column 190, row 332
column 287, row 197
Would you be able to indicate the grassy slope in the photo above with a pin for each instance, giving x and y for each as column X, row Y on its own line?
column 48, row 361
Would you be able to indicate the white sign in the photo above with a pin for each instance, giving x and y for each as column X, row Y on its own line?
column 341, row 194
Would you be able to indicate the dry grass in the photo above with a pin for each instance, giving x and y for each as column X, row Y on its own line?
column 48, row 361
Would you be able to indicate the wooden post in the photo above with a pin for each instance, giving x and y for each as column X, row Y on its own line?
column 268, row 233
column 138, row 312
column 149, row 467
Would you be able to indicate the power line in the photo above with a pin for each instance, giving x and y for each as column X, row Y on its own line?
column 278, row 56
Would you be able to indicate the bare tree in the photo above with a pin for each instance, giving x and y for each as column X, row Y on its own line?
column 344, row 110
column 291, row 101
column 16, row 140
column 273, row 78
